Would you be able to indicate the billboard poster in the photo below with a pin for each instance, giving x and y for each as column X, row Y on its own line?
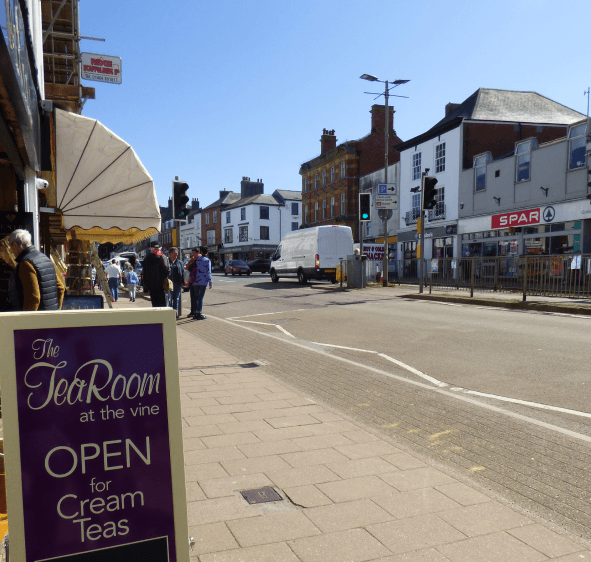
column 94, row 437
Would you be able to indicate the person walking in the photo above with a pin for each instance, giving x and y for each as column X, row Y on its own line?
column 113, row 272
column 201, row 277
column 176, row 276
column 155, row 272
column 132, row 282
column 192, row 288
column 34, row 284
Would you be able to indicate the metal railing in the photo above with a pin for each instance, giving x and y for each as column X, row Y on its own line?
column 412, row 216
column 554, row 276
column 438, row 212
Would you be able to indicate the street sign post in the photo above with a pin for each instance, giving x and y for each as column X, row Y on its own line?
column 387, row 196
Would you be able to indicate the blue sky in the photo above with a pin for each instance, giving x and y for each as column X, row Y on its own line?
column 216, row 90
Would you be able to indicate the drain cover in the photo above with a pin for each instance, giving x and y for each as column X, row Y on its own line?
column 262, row 495
column 248, row 365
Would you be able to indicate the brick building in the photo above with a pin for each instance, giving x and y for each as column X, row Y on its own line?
column 211, row 223
column 330, row 182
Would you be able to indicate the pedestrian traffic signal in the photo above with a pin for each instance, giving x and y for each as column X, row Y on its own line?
column 180, row 199
column 365, row 207
column 430, row 191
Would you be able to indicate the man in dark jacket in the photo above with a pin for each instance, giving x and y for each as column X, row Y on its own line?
column 176, row 276
column 34, row 285
column 156, row 270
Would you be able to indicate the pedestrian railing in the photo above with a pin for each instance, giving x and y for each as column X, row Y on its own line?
column 559, row 276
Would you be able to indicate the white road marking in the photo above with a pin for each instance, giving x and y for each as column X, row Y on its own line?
column 446, row 392
column 415, row 371
column 268, row 313
column 522, row 402
column 285, row 331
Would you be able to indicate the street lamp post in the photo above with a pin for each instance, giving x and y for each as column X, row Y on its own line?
column 384, row 213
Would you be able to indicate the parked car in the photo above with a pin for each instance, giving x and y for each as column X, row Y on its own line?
column 237, row 267
column 261, row 266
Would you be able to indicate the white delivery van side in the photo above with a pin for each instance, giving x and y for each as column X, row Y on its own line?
column 312, row 253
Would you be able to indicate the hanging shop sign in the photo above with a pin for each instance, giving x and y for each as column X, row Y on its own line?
column 93, row 437
column 101, row 68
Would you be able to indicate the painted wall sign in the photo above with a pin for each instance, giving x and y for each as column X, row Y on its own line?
column 98, row 438
column 101, row 68
column 516, row 218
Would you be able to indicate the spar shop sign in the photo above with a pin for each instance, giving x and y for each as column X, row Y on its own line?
column 94, row 434
column 516, row 218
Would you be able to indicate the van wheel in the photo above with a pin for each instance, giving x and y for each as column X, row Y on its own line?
column 302, row 279
column 333, row 280
column 225, row 273
column 248, row 273
column 233, row 274
column 274, row 277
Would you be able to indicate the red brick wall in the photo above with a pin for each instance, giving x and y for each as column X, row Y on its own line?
column 500, row 139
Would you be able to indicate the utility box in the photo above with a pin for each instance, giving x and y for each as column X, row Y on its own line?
column 355, row 271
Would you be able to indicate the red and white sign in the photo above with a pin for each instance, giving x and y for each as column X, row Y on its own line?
column 101, row 68
column 516, row 218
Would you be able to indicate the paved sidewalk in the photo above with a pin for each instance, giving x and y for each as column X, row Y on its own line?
column 347, row 495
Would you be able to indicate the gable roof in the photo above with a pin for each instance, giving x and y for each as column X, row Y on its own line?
column 289, row 194
column 226, row 200
column 507, row 106
column 260, row 199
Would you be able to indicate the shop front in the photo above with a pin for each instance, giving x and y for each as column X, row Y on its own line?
column 558, row 229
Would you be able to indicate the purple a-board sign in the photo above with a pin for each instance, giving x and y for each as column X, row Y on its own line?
column 94, row 444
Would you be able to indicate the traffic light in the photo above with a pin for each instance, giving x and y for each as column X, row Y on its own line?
column 180, row 199
column 365, row 207
column 430, row 192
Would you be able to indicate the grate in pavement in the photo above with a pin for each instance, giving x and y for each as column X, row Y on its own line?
column 262, row 495
column 248, row 365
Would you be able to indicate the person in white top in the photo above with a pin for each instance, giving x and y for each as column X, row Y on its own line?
column 113, row 272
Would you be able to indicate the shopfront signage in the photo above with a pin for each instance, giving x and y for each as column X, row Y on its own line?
column 94, row 460
column 101, row 68
column 18, row 77
column 516, row 218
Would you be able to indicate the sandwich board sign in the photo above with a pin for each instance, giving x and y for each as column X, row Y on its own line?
column 93, row 436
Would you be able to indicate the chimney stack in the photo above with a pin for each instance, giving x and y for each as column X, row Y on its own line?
column 250, row 188
column 328, row 141
column 451, row 107
column 378, row 117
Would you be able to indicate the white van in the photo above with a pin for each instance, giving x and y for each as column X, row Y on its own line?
column 312, row 253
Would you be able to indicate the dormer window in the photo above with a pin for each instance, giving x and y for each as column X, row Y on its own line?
column 480, row 163
column 576, row 146
column 523, row 159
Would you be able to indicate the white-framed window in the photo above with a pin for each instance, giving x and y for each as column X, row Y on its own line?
column 206, row 218
column 316, row 211
column 324, row 177
column 264, row 213
column 576, row 146
column 210, row 237
column 416, row 202
column 243, row 234
column 305, row 184
column 342, row 170
column 264, row 233
column 343, row 212
column 228, row 221
column 215, row 217
column 323, row 209
column 479, row 166
column 294, row 226
column 523, row 160
column 416, row 166
column 332, row 210
column 228, row 236
column 243, row 214
column 306, row 214
column 332, row 175
column 315, row 181
column 440, row 158
column 295, row 209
